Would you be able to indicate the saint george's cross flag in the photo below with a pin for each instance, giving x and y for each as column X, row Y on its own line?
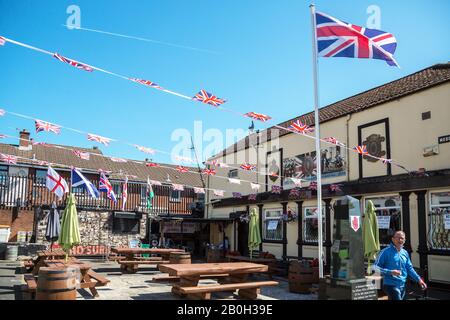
column 81, row 154
column 100, row 139
column 73, row 63
column 8, row 158
column 219, row 193
column 124, row 193
column 299, row 127
column 361, row 149
column 46, row 126
column 208, row 98
column 337, row 38
column 55, row 183
column 257, row 116
column 145, row 83
column 105, row 186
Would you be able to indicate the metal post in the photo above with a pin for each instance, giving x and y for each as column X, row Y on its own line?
column 317, row 130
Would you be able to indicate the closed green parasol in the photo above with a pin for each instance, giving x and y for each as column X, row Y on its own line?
column 70, row 233
column 254, row 235
column 370, row 233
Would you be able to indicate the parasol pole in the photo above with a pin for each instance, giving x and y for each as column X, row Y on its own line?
column 317, row 130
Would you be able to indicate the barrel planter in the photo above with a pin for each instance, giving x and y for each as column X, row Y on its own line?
column 180, row 258
column 11, row 253
column 301, row 277
column 57, row 283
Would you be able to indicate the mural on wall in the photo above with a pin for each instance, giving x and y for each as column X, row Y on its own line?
column 304, row 165
column 274, row 169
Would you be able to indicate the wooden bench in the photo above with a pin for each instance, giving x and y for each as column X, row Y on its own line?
column 132, row 266
column 101, row 280
column 247, row 290
column 31, row 284
column 176, row 278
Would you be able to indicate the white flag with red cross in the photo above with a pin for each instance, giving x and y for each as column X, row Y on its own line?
column 55, row 183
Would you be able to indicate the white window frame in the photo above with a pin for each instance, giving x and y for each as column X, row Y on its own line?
column 304, row 217
column 431, row 207
column 265, row 224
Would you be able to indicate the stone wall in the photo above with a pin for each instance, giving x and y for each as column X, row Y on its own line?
column 96, row 228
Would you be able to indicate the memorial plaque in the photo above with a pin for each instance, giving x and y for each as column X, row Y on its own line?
column 364, row 291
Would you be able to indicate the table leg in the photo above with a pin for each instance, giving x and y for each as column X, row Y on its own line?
column 249, row 293
column 86, row 279
column 185, row 282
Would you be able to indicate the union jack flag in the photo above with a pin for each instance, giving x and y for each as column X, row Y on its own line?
column 237, row 195
column 333, row 141
column 100, row 139
column 46, row 126
column 247, row 166
column 144, row 149
column 276, row 189
column 294, row 193
column 2, row 112
column 252, row 196
column 177, row 187
column 152, row 164
column 335, row 188
column 199, row 190
column 299, row 127
column 145, row 83
column 155, row 183
column 337, row 38
column 105, row 186
column 386, row 161
column 208, row 98
column 313, row 185
column 73, row 63
column 182, row 169
column 43, row 163
column 81, row 154
column 40, row 144
column 209, row 172
column 117, row 159
column 257, row 116
column 2, row 136
column 8, row 158
column 361, row 149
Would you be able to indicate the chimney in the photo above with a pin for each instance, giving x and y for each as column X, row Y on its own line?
column 24, row 141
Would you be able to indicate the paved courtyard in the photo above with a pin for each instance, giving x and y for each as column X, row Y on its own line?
column 137, row 286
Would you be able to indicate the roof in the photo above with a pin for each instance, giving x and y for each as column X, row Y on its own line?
column 65, row 156
column 423, row 79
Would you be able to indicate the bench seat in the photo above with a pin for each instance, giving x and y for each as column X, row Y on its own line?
column 177, row 278
column 137, row 262
column 101, row 280
column 226, row 287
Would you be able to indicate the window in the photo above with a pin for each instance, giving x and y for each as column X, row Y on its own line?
column 233, row 173
column 273, row 224
column 389, row 216
column 311, row 226
column 126, row 222
column 175, row 195
column 40, row 177
column 439, row 221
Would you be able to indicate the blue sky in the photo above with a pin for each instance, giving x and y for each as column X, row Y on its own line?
column 261, row 62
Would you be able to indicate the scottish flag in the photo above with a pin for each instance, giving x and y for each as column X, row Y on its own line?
column 78, row 180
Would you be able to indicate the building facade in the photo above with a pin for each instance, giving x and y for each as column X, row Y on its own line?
column 406, row 120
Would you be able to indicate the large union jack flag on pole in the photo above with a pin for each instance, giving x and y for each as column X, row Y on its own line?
column 46, row 126
column 73, row 63
column 337, row 38
column 208, row 98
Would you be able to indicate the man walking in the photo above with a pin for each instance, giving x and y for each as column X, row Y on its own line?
column 395, row 265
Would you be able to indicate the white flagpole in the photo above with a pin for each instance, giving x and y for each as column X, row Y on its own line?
column 318, row 153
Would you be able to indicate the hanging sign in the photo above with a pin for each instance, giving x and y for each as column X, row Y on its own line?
column 383, row 222
column 354, row 223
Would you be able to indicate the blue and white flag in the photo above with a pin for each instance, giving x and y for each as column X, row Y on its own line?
column 78, row 180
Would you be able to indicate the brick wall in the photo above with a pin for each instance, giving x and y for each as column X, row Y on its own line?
column 18, row 220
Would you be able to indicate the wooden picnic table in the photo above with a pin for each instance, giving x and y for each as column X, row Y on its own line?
column 87, row 274
column 133, row 257
column 43, row 255
column 270, row 262
column 237, row 274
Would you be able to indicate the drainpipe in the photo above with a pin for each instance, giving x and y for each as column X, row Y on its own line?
column 349, row 116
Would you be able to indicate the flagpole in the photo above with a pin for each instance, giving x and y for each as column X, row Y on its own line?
column 317, row 130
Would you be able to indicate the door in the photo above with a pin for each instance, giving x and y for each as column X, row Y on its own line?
column 242, row 238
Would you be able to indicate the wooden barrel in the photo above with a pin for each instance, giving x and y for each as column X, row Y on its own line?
column 11, row 253
column 180, row 258
column 56, row 284
column 301, row 277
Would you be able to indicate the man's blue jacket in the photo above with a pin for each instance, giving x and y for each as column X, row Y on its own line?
column 390, row 259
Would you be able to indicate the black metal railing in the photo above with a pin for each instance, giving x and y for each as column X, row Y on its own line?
column 27, row 192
